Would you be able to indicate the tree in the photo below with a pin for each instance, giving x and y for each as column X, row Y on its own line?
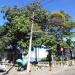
column 19, row 23
column 48, row 29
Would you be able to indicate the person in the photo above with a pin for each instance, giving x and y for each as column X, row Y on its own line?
column 49, row 58
column 22, row 62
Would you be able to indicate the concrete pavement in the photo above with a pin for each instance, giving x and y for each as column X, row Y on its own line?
column 41, row 71
column 69, row 71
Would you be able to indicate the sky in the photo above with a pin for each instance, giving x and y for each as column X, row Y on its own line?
column 51, row 5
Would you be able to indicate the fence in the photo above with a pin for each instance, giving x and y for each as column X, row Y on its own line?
column 57, row 63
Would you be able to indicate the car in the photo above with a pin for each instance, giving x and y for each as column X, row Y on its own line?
column 2, row 67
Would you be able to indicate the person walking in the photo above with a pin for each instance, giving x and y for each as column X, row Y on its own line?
column 49, row 60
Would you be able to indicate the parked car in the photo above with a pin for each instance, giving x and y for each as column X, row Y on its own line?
column 2, row 67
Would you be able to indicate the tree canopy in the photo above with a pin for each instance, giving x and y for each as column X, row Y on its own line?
column 49, row 27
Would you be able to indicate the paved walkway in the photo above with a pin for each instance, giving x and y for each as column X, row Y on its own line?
column 69, row 71
column 42, row 71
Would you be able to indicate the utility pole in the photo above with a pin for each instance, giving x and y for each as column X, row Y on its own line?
column 30, row 45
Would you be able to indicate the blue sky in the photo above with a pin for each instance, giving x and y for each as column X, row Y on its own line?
column 51, row 5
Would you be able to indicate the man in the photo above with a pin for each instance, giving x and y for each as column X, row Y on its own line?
column 49, row 60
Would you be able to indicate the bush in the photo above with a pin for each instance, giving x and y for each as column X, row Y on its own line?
column 44, row 59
